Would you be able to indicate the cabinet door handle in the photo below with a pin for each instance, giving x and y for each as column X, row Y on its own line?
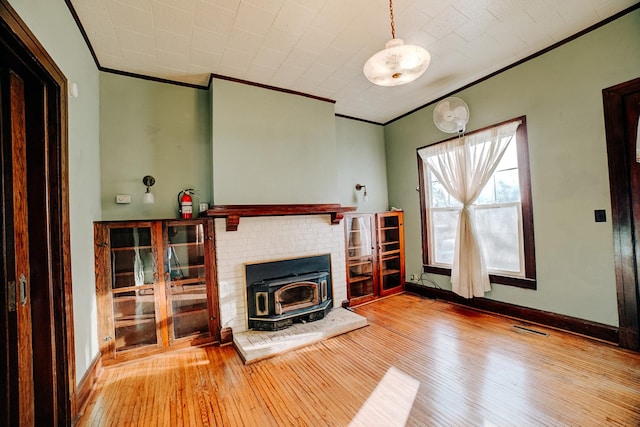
column 23, row 289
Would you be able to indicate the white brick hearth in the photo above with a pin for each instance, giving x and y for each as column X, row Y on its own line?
column 272, row 238
column 257, row 345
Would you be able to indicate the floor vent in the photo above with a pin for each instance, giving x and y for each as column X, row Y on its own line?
column 531, row 331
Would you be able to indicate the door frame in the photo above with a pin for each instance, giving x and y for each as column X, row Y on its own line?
column 624, row 243
column 16, row 35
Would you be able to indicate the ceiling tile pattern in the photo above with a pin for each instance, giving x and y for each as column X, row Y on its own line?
column 318, row 47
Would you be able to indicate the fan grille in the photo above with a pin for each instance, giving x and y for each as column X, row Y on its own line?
column 451, row 115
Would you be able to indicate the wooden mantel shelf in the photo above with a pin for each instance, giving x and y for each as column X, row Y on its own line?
column 233, row 213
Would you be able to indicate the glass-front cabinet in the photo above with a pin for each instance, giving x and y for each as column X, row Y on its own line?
column 390, row 252
column 155, row 283
column 134, row 280
column 186, row 274
column 375, row 255
column 361, row 262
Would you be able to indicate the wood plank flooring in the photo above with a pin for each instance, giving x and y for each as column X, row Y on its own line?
column 473, row 369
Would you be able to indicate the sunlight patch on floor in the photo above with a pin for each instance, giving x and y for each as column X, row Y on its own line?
column 390, row 403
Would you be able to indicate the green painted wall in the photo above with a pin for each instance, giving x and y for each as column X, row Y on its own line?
column 157, row 129
column 560, row 92
column 236, row 138
column 56, row 30
column 361, row 160
column 261, row 139
column 271, row 147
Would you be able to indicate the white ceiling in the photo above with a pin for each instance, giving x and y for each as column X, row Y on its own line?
column 318, row 47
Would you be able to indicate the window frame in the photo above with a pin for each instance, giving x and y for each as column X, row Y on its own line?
column 522, row 145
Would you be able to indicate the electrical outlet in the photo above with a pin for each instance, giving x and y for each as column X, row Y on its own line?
column 414, row 277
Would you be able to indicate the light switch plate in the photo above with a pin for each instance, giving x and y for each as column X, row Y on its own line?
column 123, row 198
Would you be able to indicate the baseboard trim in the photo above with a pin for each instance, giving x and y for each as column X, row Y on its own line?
column 587, row 328
column 226, row 336
column 87, row 384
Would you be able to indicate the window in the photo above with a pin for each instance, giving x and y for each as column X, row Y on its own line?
column 502, row 215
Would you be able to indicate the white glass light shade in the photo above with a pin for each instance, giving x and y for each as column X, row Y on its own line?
column 396, row 64
column 147, row 198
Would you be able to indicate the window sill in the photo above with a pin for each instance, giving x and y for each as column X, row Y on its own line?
column 519, row 282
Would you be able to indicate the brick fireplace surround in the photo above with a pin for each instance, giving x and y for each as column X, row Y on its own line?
column 268, row 237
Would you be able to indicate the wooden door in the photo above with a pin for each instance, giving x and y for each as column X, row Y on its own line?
column 622, row 112
column 35, row 365
column 15, row 239
column 36, row 321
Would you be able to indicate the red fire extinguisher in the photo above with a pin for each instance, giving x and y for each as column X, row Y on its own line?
column 185, row 203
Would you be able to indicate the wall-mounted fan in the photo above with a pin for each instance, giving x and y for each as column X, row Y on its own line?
column 451, row 115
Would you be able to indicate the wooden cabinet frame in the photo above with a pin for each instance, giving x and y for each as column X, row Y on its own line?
column 378, row 270
column 390, row 239
column 163, row 287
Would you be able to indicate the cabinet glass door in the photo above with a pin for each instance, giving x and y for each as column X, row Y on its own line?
column 133, row 279
column 360, row 258
column 186, row 275
column 390, row 244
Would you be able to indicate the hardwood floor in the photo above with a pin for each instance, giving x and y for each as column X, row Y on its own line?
column 469, row 369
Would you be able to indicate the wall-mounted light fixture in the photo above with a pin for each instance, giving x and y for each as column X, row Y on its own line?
column 365, row 196
column 148, row 195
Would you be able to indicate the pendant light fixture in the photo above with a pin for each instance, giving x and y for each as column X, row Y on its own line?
column 397, row 63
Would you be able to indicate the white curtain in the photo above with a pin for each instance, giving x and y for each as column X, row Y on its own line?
column 463, row 166
column 138, row 266
column 359, row 238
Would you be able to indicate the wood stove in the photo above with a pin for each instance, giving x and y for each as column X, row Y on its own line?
column 282, row 292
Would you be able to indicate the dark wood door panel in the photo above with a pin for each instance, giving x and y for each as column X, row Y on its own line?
column 621, row 109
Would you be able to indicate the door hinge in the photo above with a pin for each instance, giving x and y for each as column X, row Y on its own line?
column 11, row 296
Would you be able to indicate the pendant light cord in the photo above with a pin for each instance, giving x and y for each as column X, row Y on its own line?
column 393, row 27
